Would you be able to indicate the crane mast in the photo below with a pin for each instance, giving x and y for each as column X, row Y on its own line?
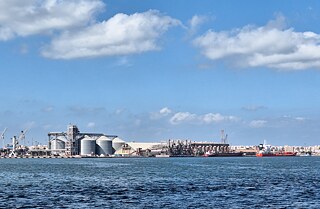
column 224, row 137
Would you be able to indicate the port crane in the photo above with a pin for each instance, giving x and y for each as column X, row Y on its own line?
column 22, row 136
column 15, row 142
column 224, row 137
column 2, row 136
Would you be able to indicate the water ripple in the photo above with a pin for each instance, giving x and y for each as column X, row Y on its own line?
column 160, row 183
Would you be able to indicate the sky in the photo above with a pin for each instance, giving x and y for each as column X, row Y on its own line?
column 157, row 70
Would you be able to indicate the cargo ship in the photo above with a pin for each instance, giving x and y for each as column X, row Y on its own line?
column 226, row 154
column 276, row 154
column 265, row 151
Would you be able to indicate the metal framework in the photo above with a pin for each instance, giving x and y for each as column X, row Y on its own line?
column 189, row 148
column 72, row 139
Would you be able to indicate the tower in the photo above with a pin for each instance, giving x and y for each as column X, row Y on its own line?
column 224, row 137
column 72, row 144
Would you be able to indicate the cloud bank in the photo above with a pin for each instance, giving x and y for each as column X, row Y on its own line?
column 161, row 113
column 182, row 117
column 269, row 46
column 174, row 117
column 120, row 35
column 75, row 31
column 77, row 34
column 31, row 17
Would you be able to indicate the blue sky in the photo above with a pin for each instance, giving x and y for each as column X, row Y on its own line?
column 158, row 70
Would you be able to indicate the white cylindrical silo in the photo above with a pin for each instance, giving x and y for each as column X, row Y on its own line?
column 88, row 146
column 117, row 144
column 57, row 144
column 104, row 146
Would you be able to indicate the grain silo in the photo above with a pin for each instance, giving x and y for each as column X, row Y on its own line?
column 57, row 144
column 117, row 144
column 88, row 146
column 104, row 146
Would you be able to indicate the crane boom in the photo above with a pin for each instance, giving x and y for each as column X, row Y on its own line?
column 22, row 134
column 2, row 136
column 3, row 132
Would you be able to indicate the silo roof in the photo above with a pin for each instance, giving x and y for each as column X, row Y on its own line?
column 118, row 140
column 87, row 138
column 104, row 138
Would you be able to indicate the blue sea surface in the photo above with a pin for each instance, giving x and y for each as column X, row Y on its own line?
column 235, row 182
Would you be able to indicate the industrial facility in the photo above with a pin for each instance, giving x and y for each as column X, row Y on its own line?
column 74, row 143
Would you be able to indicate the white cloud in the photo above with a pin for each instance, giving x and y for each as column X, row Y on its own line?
column 195, row 22
column 120, row 35
column 269, row 46
column 162, row 113
column 29, row 17
column 257, row 123
column 217, row 117
column 165, row 111
column 293, row 118
column 206, row 118
column 182, row 117
column 5, row 33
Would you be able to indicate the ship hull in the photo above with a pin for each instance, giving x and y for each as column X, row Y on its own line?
column 237, row 154
column 285, row 154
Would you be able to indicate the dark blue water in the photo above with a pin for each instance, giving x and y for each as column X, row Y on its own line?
column 292, row 182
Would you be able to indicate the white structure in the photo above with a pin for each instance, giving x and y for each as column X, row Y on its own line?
column 88, row 146
column 104, row 146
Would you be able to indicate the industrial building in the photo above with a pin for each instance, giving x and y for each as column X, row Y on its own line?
column 146, row 149
column 73, row 142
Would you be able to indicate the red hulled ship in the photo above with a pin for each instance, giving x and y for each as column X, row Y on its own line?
column 265, row 151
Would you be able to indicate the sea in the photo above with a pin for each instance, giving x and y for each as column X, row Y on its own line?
column 231, row 182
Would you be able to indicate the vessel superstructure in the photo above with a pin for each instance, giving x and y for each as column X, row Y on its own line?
column 266, row 151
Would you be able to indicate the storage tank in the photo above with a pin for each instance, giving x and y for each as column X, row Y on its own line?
column 88, row 146
column 57, row 144
column 104, row 146
column 117, row 144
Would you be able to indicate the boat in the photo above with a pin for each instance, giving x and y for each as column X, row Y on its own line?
column 265, row 151
column 286, row 154
column 276, row 154
column 226, row 154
